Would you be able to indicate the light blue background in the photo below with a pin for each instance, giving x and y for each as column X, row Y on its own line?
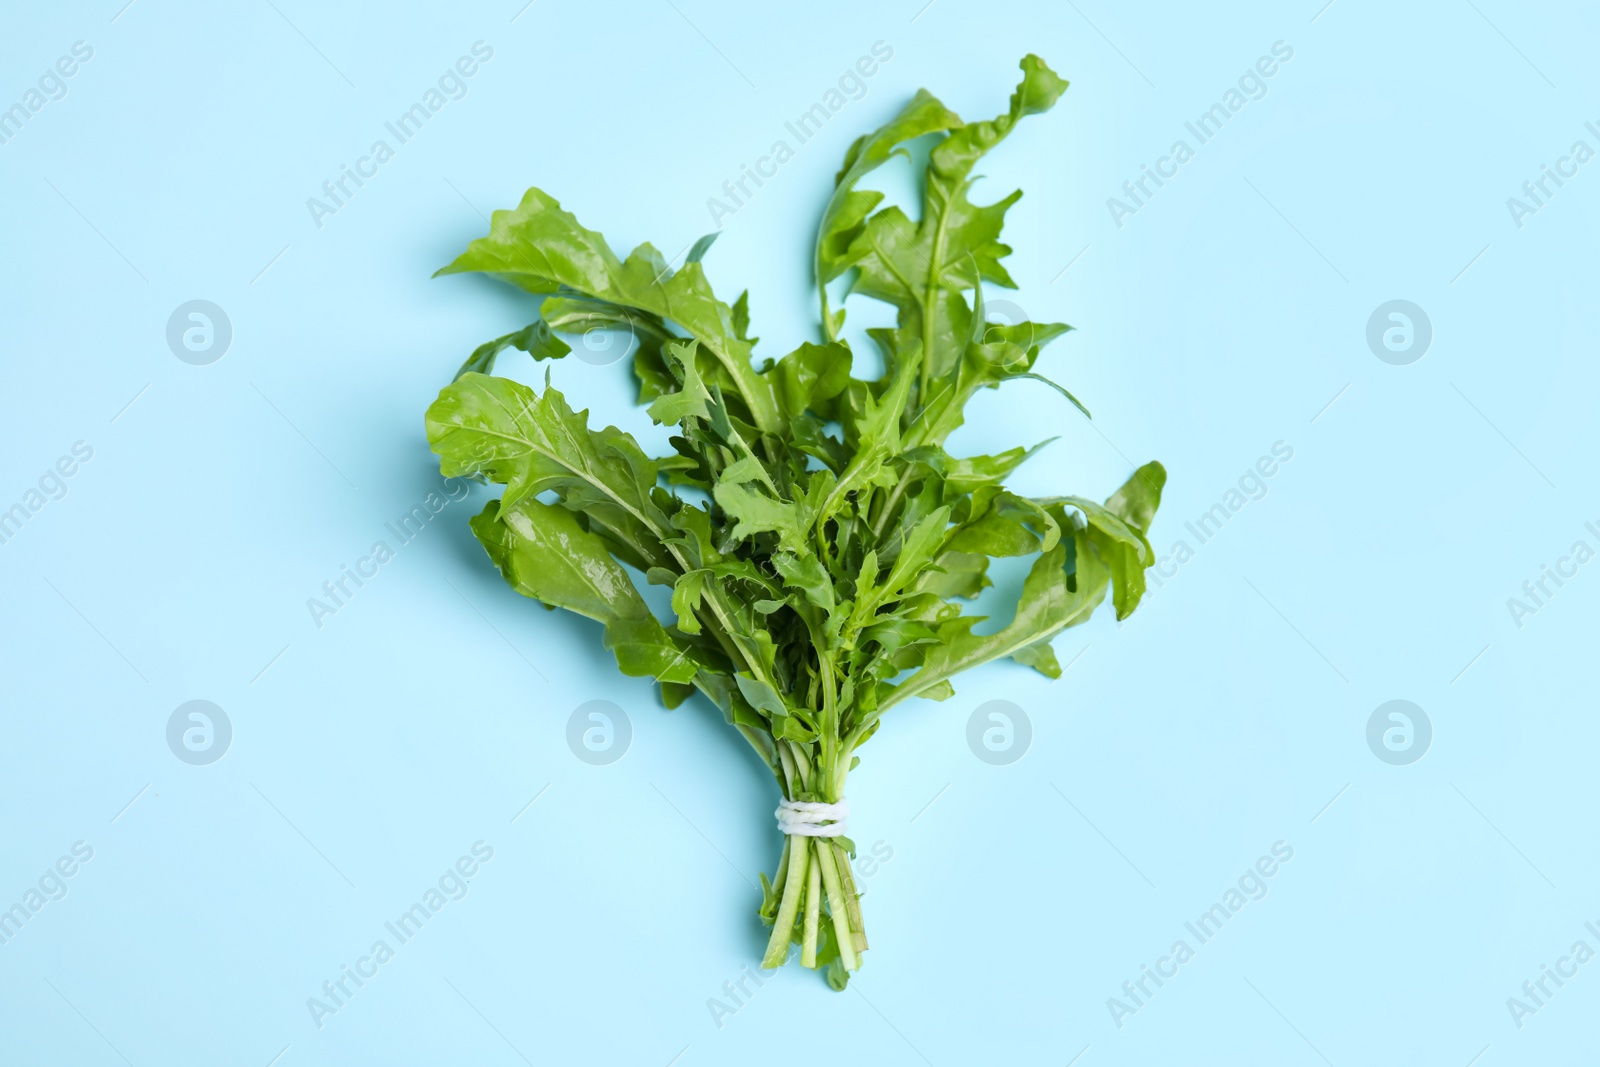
column 1225, row 716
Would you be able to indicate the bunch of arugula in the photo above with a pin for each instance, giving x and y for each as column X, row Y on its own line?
column 814, row 531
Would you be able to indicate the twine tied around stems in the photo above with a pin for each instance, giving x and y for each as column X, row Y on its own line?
column 806, row 818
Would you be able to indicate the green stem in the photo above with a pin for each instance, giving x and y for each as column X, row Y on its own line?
column 828, row 332
column 836, row 906
column 852, row 899
column 928, row 307
column 828, row 742
column 802, row 763
column 808, row 944
column 888, row 507
column 846, row 750
column 779, row 879
column 791, row 773
column 783, row 928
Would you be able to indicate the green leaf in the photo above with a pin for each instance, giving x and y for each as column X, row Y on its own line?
column 755, row 512
column 686, row 594
column 693, row 534
column 1060, row 389
column 692, row 397
column 962, row 476
column 811, row 375
column 957, row 574
column 1118, row 532
column 1005, row 525
column 917, row 549
column 1136, row 502
column 807, row 574
column 1041, row 657
column 535, row 443
column 792, row 728
column 702, row 246
column 741, row 317
column 748, row 469
column 534, row 339
column 542, row 552
column 877, row 437
column 541, row 248
column 761, row 696
column 923, row 268
column 1063, row 587
column 983, row 365
column 1124, row 548
column 644, row 650
column 847, row 209
column 586, row 315
column 673, row 694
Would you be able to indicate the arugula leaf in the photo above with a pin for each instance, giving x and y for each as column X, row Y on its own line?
column 536, row 339
column 811, row 375
column 543, row 249
column 1060, row 591
column 924, row 268
column 584, row 315
column 691, row 398
column 845, row 215
column 543, row 553
column 535, row 443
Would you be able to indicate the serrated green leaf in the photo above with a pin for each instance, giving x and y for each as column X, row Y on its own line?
column 1136, row 502
column 543, row 553
column 534, row 339
column 761, row 696
column 847, row 209
column 535, row 443
column 812, row 375
column 686, row 594
column 923, row 268
column 806, row 573
column 691, row 399
column 541, row 248
column 755, row 513
column 1058, row 592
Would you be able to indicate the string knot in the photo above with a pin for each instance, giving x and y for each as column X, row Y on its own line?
column 808, row 818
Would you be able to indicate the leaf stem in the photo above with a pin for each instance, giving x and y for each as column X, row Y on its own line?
column 889, row 504
column 836, row 906
column 852, row 899
column 808, row 944
column 788, row 907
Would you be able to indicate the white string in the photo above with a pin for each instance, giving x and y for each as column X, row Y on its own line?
column 805, row 818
